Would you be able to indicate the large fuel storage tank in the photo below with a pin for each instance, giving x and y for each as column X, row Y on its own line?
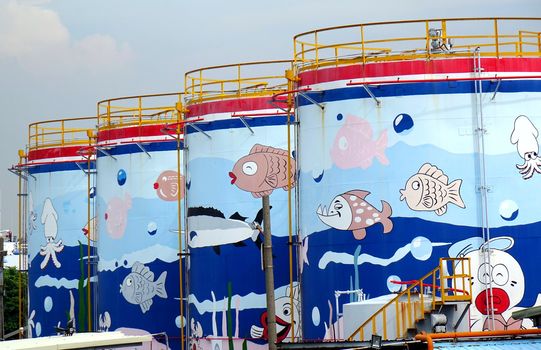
column 139, row 207
column 59, row 170
column 239, row 148
column 418, row 140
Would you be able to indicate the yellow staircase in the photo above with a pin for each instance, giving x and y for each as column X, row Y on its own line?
column 449, row 283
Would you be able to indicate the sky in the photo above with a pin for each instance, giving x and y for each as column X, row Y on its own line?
column 58, row 58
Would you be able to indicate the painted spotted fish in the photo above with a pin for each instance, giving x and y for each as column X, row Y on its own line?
column 350, row 211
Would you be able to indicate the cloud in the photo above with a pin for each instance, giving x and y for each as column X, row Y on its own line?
column 35, row 38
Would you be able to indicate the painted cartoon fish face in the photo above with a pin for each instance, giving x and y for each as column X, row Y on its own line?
column 353, row 146
column 249, row 172
column 263, row 170
column 414, row 192
column 430, row 190
column 284, row 311
column 338, row 215
column 128, row 287
column 166, row 186
column 116, row 216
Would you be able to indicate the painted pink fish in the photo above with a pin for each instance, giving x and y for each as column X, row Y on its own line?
column 263, row 170
column 349, row 211
column 116, row 216
column 353, row 146
column 166, row 186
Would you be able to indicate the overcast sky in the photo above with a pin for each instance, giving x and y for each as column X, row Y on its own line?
column 59, row 57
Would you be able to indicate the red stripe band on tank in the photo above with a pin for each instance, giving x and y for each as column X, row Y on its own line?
column 57, row 152
column 233, row 105
column 131, row 132
column 442, row 66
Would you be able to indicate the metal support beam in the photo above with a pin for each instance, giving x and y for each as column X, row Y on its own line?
column 496, row 90
column 142, row 149
column 311, row 100
column 200, row 130
column 367, row 89
column 246, row 124
column 85, row 170
column 102, row 150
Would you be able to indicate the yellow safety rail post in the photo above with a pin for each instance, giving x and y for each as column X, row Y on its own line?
column 403, row 309
column 22, row 238
column 386, row 45
column 179, row 130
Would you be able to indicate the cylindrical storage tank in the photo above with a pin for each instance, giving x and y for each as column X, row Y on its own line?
column 60, row 177
column 139, row 208
column 239, row 145
column 418, row 140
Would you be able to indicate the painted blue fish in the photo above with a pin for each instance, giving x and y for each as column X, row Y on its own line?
column 139, row 286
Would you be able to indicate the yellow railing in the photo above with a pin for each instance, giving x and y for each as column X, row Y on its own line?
column 139, row 110
column 251, row 79
column 427, row 39
column 427, row 295
column 60, row 132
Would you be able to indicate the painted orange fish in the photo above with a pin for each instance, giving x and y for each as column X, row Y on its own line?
column 263, row 170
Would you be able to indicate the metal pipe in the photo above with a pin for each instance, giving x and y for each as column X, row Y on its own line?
column 269, row 274
column 90, row 232
column 179, row 218
column 428, row 338
column 482, row 169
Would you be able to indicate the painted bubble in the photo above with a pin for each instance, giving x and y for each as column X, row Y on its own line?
column 402, row 123
column 421, row 248
column 318, row 176
column 121, row 177
column 316, row 317
column 508, row 210
column 339, row 116
column 38, row 329
column 393, row 287
column 92, row 192
column 177, row 321
column 48, row 304
column 152, row 228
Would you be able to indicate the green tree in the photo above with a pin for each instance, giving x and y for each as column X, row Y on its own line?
column 11, row 299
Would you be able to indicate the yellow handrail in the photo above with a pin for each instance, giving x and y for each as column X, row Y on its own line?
column 59, row 132
column 240, row 80
column 429, row 39
column 139, row 110
column 405, row 318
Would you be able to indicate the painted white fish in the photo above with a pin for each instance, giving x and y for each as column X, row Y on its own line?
column 139, row 286
column 208, row 227
column 429, row 190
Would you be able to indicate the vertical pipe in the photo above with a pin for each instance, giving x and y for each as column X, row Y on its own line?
column 289, row 212
column 90, row 231
column 179, row 218
column 186, row 246
column 482, row 169
column 269, row 274
column 20, row 235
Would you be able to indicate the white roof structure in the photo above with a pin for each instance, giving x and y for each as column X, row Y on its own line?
column 90, row 340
